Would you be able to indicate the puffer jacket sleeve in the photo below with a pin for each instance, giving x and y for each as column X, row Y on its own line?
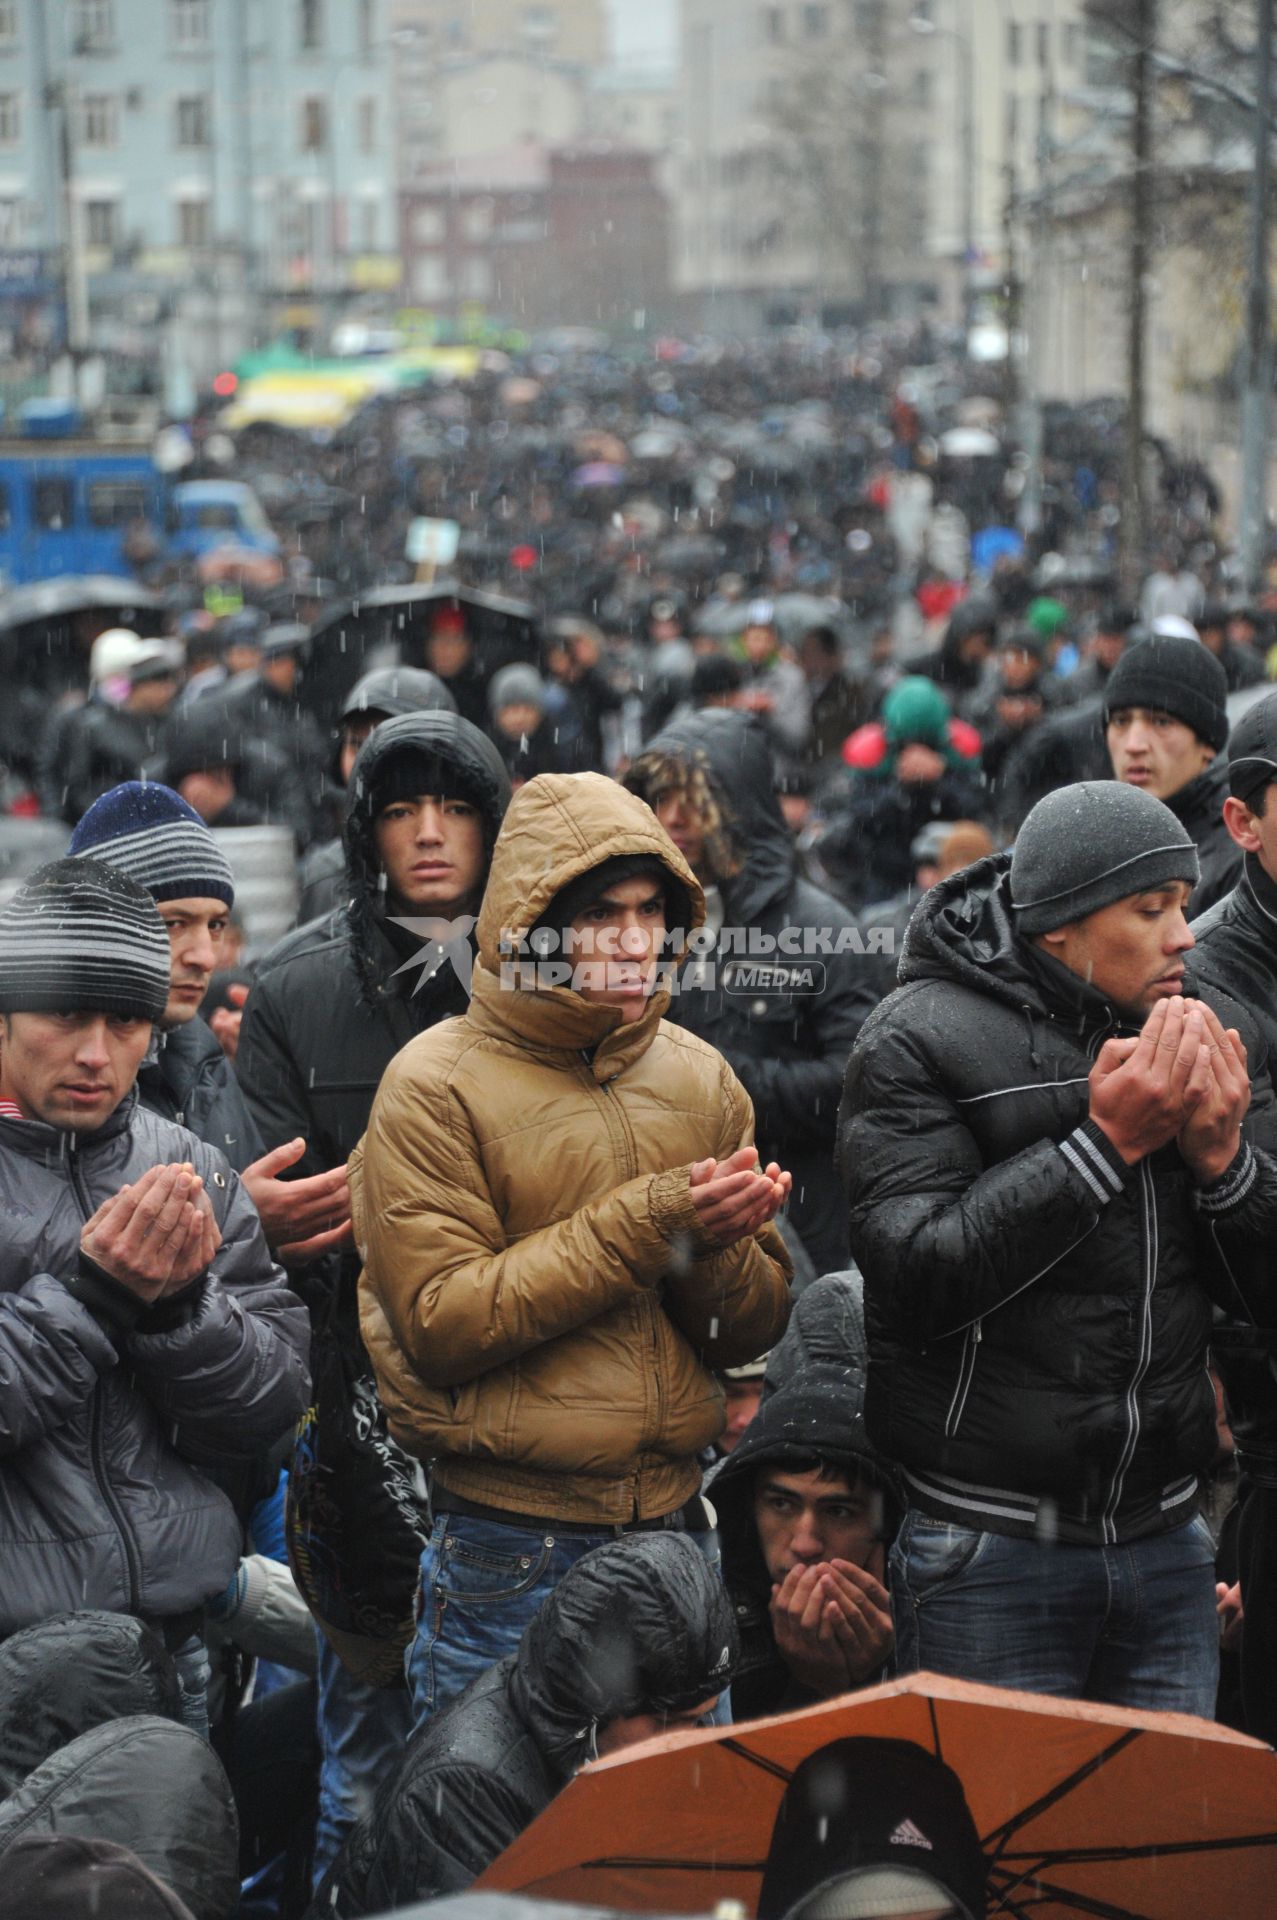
column 227, row 1362
column 731, row 1303
column 940, row 1240
column 52, row 1351
column 270, row 1076
column 459, row 1299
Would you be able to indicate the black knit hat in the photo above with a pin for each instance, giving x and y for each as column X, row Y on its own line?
column 1252, row 749
column 1176, row 676
column 1085, row 846
column 80, row 937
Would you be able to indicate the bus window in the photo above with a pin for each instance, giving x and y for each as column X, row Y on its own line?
column 51, row 502
column 5, row 517
column 115, row 503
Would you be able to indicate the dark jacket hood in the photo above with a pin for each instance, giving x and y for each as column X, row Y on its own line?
column 641, row 1625
column 74, row 1672
column 151, row 1786
column 55, row 1876
column 389, row 692
column 733, row 752
column 481, row 778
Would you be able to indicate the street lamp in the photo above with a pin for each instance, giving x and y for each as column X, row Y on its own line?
column 925, row 27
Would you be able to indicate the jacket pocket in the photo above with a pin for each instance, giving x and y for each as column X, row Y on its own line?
column 928, row 1555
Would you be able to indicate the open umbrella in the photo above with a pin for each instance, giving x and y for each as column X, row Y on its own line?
column 72, row 593
column 1081, row 1809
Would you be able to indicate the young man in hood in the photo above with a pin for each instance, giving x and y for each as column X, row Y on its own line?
column 1042, row 1140
column 1166, row 723
column 774, row 995
column 636, row 1640
column 564, row 1230
column 331, row 1006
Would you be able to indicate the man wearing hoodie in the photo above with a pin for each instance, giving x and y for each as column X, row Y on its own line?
column 785, row 1011
column 564, row 1230
column 1042, row 1140
column 636, row 1640
column 1166, row 723
column 331, row 1006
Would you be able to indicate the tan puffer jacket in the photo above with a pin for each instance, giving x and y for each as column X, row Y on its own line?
column 537, row 1298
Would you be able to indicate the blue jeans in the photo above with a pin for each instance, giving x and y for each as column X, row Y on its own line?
column 1131, row 1626
column 481, row 1583
column 363, row 1731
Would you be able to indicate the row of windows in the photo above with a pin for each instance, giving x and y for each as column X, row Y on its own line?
column 816, row 19
column 98, row 122
column 190, row 25
column 103, row 225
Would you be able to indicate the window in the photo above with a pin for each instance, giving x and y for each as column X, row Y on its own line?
column 368, row 224
column 194, row 127
column 540, row 25
column 1012, row 119
column 101, row 222
column 368, row 124
column 310, row 25
column 51, row 504
column 365, row 29
column 10, row 119
column 8, row 22
column 11, row 222
column 428, row 225
column 476, row 221
column 99, row 120
column 430, row 278
column 192, row 223
column 815, row 22
column 1014, row 37
column 113, row 503
column 773, row 25
column 1044, row 44
column 476, row 278
column 188, row 25
column 1072, row 42
column 314, row 124
column 92, row 26
column 922, row 87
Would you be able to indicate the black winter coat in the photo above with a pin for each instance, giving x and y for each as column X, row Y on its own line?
column 865, row 849
column 1236, row 951
column 785, row 1021
column 640, row 1626
column 1038, row 1313
column 1199, row 808
column 189, row 1080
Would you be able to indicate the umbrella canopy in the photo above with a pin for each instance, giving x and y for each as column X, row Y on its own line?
column 51, row 600
column 1081, row 1809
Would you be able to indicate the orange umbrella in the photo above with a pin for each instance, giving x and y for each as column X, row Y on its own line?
column 1081, row 1809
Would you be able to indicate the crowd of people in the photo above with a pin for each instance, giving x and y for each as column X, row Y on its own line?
column 754, row 1172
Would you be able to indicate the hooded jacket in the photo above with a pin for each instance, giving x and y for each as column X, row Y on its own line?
column 334, row 1001
column 786, row 1015
column 538, row 1299
column 641, row 1625
column 1038, row 1313
column 108, row 1434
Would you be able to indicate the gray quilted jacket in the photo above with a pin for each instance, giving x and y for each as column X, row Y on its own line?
column 110, row 1415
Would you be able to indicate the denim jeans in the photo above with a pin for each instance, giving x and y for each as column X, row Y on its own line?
column 363, row 1731
column 1131, row 1626
column 481, row 1583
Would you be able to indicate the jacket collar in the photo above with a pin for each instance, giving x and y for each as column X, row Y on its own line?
column 1257, row 894
column 39, row 1141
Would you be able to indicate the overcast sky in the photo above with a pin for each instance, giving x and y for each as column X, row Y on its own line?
column 645, row 30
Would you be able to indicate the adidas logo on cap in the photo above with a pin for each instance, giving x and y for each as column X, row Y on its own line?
column 907, row 1835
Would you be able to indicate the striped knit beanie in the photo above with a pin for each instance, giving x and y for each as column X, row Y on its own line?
column 150, row 833
column 79, row 937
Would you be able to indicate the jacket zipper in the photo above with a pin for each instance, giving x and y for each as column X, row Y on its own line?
column 958, row 1404
column 1148, row 1242
column 97, row 1451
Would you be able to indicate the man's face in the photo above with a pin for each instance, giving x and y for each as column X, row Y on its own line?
column 195, row 928
column 447, row 652
column 628, row 1729
column 758, row 645
column 1131, row 952
column 1019, row 668
column 808, row 1519
column 1108, row 648
column 742, row 1397
column 431, row 849
column 70, row 1070
column 1255, row 831
column 1154, row 750
column 681, row 819
column 353, row 735
column 279, row 670
column 153, row 696
column 242, row 658
column 519, row 721
column 210, row 791
column 615, row 946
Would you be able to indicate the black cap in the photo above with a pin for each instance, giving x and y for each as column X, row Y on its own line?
column 1172, row 675
column 1252, row 749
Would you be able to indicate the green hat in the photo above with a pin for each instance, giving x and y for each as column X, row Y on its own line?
column 916, row 711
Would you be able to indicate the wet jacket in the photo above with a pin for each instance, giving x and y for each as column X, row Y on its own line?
column 90, row 1747
column 1199, row 808
column 641, row 1626
column 785, row 1020
column 110, row 1424
column 538, row 1300
column 1038, row 1312
column 864, row 850
column 1236, row 951
column 188, row 1079
column 89, row 751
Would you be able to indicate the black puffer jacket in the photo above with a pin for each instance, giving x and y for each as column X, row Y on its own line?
column 641, row 1625
column 785, row 1017
column 73, row 1672
column 108, row 1434
column 330, row 1007
column 1038, row 1314
column 1236, row 951
column 188, row 1079
column 1199, row 808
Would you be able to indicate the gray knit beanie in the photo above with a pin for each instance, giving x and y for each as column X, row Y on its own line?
column 1083, row 847
column 80, row 937
column 515, row 686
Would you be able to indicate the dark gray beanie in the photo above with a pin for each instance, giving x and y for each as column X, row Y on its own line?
column 1176, row 676
column 1252, row 749
column 80, row 937
column 1083, row 847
